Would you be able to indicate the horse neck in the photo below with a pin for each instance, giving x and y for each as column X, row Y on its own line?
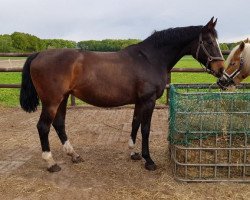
column 170, row 45
column 168, row 55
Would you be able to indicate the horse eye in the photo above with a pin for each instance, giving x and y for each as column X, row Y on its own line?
column 232, row 64
column 210, row 42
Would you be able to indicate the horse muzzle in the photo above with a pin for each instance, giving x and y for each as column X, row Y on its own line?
column 225, row 83
column 217, row 68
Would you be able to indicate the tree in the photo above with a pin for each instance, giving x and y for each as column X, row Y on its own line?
column 6, row 43
column 20, row 41
column 59, row 43
column 223, row 46
column 106, row 45
column 24, row 42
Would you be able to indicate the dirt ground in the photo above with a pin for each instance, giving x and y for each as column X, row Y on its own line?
column 11, row 63
column 100, row 136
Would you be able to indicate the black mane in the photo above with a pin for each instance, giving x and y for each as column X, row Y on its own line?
column 176, row 35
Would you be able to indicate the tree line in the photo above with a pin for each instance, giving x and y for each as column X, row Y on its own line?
column 26, row 43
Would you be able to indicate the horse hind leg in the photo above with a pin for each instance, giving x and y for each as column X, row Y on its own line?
column 59, row 125
column 43, row 127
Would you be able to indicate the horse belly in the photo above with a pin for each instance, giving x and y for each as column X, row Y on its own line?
column 104, row 97
column 104, row 80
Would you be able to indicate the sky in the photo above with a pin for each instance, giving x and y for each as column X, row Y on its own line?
column 121, row 19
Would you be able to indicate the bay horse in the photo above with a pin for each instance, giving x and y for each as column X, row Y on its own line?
column 135, row 75
column 238, row 66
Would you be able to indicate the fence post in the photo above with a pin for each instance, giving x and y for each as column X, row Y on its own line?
column 73, row 100
column 167, row 88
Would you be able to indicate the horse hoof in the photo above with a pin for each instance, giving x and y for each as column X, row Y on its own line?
column 77, row 159
column 136, row 156
column 150, row 167
column 54, row 168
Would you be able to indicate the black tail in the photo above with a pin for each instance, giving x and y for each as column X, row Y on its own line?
column 28, row 95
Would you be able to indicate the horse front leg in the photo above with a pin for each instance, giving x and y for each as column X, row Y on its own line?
column 147, row 111
column 135, row 126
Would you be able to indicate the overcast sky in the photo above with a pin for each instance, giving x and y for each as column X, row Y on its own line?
column 100, row 19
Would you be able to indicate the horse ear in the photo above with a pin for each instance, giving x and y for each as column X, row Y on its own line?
column 247, row 40
column 211, row 24
column 215, row 22
column 242, row 45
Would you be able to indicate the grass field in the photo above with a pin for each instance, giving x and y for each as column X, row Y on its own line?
column 10, row 97
column 12, row 58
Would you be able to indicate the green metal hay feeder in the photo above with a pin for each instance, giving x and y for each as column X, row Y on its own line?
column 209, row 133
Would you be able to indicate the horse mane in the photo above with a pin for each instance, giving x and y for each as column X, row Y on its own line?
column 177, row 35
column 246, row 54
column 230, row 56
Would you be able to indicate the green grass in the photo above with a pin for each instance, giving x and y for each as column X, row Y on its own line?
column 10, row 78
column 10, row 97
column 12, row 58
column 190, row 62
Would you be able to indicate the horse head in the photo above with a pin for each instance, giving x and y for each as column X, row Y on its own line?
column 208, row 51
column 238, row 66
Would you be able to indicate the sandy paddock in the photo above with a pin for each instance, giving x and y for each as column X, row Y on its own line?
column 100, row 136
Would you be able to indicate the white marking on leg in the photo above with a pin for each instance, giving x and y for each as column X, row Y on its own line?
column 67, row 147
column 47, row 156
column 131, row 144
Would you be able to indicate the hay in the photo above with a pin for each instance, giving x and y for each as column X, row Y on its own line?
column 211, row 158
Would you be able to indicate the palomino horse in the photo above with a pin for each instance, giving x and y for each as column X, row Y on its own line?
column 238, row 63
column 135, row 75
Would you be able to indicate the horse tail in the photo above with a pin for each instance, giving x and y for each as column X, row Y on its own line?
column 29, row 99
